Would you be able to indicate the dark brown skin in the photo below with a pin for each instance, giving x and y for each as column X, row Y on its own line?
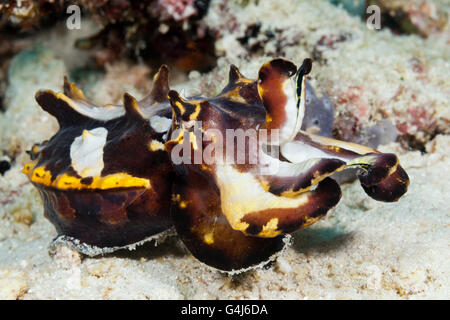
column 390, row 188
column 106, row 219
column 271, row 76
column 324, row 197
column 244, row 104
column 196, row 210
column 202, row 219
column 118, row 216
column 378, row 179
column 303, row 180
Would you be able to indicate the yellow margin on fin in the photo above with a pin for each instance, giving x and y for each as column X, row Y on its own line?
column 64, row 181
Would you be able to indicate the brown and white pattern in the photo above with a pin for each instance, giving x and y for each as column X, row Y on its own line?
column 233, row 173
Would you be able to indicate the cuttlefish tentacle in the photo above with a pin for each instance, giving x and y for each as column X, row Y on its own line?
column 292, row 179
column 380, row 174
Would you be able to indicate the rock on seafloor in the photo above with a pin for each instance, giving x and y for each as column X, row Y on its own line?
column 13, row 284
column 424, row 17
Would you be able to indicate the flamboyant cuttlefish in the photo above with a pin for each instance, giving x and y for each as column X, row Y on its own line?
column 234, row 174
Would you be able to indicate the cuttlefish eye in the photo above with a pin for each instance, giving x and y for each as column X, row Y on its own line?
column 104, row 177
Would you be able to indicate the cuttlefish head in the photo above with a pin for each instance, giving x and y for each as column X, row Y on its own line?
column 104, row 177
column 248, row 175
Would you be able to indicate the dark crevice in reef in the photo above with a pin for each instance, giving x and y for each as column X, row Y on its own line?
column 34, row 16
column 256, row 38
column 5, row 165
column 411, row 142
column 177, row 47
column 390, row 23
column 202, row 7
column 145, row 31
column 252, row 31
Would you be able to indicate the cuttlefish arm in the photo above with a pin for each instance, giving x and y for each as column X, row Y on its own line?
column 315, row 157
column 250, row 207
column 380, row 174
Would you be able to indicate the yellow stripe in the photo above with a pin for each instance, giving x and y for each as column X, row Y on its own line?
column 64, row 181
column 195, row 114
column 269, row 230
